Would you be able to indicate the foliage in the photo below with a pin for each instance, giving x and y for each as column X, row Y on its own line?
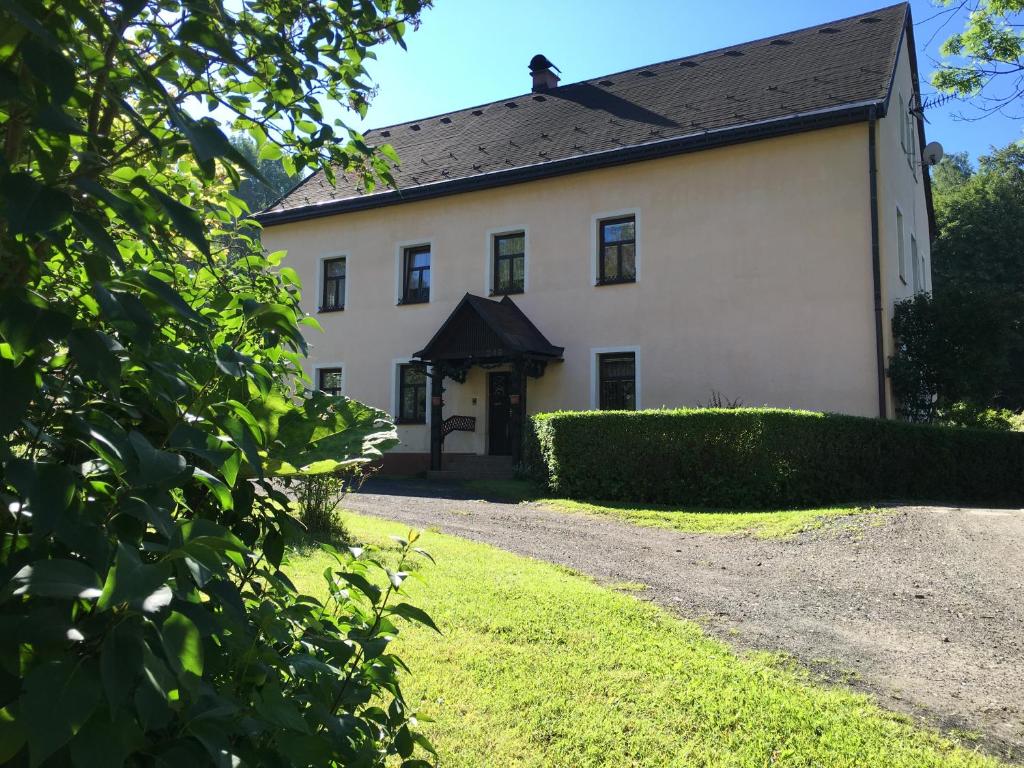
column 718, row 401
column 150, row 373
column 966, row 343
column 966, row 415
column 549, row 669
column 986, row 59
column 271, row 180
column 319, row 497
column 950, row 347
column 769, row 458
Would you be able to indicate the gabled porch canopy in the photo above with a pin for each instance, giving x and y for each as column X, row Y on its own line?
column 485, row 332
column 482, row 330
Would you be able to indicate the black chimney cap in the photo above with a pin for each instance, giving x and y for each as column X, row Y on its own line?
column 540, row 62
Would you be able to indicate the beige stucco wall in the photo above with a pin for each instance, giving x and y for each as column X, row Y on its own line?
column 754, row 280
column 901, row 185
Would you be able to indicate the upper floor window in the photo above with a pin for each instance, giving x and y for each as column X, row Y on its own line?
column 333, row 280
column 416, row 275
column 329, row 380
column 412, row 393
column 509, row 263
column 617, row 381
column 901, row 248
column 616, row 257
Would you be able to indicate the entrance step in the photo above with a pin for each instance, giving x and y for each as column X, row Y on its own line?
column 467, row 466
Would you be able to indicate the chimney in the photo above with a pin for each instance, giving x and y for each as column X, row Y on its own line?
column 543, row 78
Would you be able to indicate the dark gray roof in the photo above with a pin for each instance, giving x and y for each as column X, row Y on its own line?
column 823, row 75
column 483, row 329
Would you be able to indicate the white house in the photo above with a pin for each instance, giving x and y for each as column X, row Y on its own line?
column 739, row 221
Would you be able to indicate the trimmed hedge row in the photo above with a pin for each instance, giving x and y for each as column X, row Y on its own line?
column 765, row 457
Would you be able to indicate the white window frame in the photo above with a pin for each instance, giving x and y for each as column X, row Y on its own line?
column 334, row 364
column 320, row 279
column 595, row 373
column 400, row 269
column 595, row 222
column 396, row 364
column 901, row 247
column 489, row 257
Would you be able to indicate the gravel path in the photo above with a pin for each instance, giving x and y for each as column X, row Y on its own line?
column 921, row 606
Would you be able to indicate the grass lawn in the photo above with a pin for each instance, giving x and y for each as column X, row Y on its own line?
column 539, row 666
column 761, row 523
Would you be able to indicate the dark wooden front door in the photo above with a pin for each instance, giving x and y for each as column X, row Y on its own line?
column 499, row 414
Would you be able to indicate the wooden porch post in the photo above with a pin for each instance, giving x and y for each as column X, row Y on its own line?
column 436, row 416
column 519, row 410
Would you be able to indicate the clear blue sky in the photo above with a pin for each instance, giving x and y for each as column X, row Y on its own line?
column 469, row 52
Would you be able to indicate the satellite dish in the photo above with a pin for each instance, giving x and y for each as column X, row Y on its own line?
column 932, row 153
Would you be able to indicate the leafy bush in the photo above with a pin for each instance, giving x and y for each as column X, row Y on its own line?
column 153, row 399
column 761, row 457
column 966, row 415
column 318, row 497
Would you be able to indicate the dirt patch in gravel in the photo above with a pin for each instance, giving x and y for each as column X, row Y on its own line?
column 923, row 607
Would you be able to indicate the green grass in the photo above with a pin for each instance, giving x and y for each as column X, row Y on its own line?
column 542, row 667
column 761, row 523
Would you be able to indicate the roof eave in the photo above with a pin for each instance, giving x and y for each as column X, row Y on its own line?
column 798, row 123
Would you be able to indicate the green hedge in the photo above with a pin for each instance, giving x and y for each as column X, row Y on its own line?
column 761, row 457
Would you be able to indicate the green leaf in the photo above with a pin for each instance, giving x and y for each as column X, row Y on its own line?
column 121, row 660
column 18, row 383
column 231, row 362
column 156, row 468
column 129, row 580
column 33, row 207
column 96, row 355
column 185, row 220
column 12, row 735
column 65, row 579
column 60, row 697
column 106, row 742
column 273, row 548
column 183, row 644
column 412, row 613
column 49, row 489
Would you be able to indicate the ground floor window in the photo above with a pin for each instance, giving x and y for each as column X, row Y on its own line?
column 412, row 393
column 329, row 380
column 617, row 381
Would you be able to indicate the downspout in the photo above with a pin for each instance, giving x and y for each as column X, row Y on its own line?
column 876, row 261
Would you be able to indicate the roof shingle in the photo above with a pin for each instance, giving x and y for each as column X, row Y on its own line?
column 841, row 64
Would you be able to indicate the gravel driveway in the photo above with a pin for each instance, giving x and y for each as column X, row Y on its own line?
column 925, row 610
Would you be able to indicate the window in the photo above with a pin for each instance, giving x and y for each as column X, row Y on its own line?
column 328, row 380
column 416, row 275
column 916, row 265
column 616, row 257
column 900, row 247
column 333, row 281
column 509, row 263
column 412, row 394
column 617, row 381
